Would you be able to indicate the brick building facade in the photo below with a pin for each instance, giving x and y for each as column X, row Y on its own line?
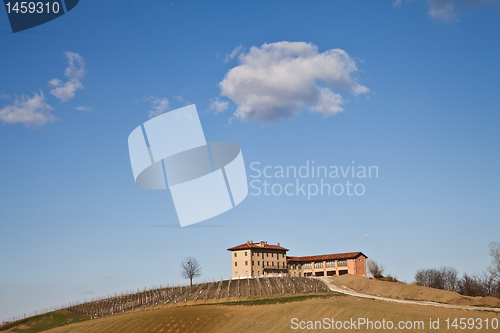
column 258, row 259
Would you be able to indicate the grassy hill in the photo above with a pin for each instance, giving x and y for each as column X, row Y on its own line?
column 248, row 308
column 241, row 291
column 44, row 322
column 269, row 317
column 411, row 292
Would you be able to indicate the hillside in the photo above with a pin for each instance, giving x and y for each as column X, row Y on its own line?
column 410, row 292
column 224, row 291
column 268, row 317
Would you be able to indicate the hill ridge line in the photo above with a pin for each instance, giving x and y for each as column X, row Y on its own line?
column 344, row 290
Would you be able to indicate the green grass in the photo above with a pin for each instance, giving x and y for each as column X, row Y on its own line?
column 485, row 306
column 44, row 322
column 61, row 318
column 388, row 279
column 277, row 300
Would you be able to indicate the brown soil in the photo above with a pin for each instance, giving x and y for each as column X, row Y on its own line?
column 268, row 318
column 410, row 292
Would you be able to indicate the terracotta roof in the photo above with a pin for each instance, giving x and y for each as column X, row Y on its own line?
column 260, row 245
column 336, row 256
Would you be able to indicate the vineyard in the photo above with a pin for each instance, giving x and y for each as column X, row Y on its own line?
column 222, row 290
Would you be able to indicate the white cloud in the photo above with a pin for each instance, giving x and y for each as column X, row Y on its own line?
column 445, row 10
column 55, row 82
column 83, row 108
column 217, row 106
column 233, row 54
column 328, row 103
column 442, row 10
column 279, row 80
column 75, row 72
column 29, row 111
column 181, row 100
column 396, row 3
column 4, row 96
column 158, row 106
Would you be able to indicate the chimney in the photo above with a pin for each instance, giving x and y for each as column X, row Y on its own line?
column 278, row 243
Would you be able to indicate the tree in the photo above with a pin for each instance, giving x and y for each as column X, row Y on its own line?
column 445, row 278
column 494, row 269
column 375, row 269
column 190, row 269
column 429, row 278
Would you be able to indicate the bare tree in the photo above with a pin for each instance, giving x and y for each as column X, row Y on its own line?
column 190, row 269
column 445, row 278
column 375, row 269
column 494, row 269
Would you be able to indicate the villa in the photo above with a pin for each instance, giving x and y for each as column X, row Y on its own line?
column 261, row 259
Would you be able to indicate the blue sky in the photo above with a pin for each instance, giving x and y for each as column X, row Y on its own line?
column 73, row 224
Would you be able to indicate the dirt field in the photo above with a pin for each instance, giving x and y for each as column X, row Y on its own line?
column 410, row 292
column 272, row 318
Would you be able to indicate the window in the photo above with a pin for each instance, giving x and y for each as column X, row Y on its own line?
column 299, row 266
column 235, row 264
column 252, row 263
column 318, row 265
column 258, row 263
column 306, row 266
column 267, row 254
column 235, row 254
column 342, row 263
column 262, row 255
column 273, row 263
column 245, row 253
column 268, row 263
column 246, row 263
column 283, row 256
column 272, row 255
column 330, row 263
column 278, row 265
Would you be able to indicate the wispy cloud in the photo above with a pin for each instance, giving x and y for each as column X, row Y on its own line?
column 4, row 96
column 74, row 72
column 217, row 106
column 31, row 111
column 446, row 10
column 158, row 106
column 442, row 10
column 181, row 100
column 367, row 236
column 233, row 54
column 83, row 108
column 279, row 80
